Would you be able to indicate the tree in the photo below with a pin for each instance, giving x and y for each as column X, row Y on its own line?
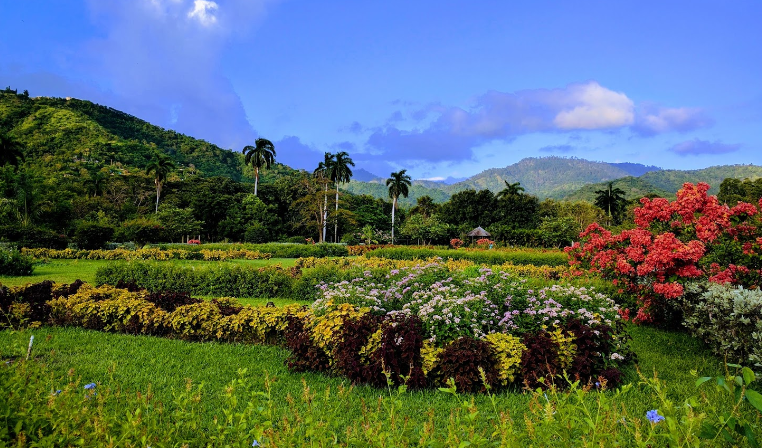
column 322, row 173
column 611, row 200
column 510, row 189
column 425, row 206
column 339, row 172
column 10, row 151
column 262, row 154
column 398, row 185
column 161, row 166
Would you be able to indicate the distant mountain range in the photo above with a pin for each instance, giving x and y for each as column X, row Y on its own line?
column 569, row 178
column 61, row 134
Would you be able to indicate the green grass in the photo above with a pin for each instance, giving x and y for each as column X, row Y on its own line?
column 66, row 271
column 133, row 363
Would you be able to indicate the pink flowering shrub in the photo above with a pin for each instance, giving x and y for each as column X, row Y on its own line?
column 693, row 237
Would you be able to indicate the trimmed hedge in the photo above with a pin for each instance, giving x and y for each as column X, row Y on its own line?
column 277, row 250
column 488, row 257
column 213, row 280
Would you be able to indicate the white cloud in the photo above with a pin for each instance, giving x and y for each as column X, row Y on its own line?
column 594, row 107
column 203, row 11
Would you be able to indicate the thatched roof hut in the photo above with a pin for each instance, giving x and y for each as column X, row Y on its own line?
column 481, row 233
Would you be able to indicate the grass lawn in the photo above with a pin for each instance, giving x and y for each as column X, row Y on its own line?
column 66, row 271
column 135, row 363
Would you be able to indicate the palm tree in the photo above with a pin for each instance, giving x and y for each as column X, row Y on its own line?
column 322, row 173
column 339, row 172
column 398, row 185
column 161, row 167
column 262, row 154
column 611, row 200
column 510, row 189
column 10, row 151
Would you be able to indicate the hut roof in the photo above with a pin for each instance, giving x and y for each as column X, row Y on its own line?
column 478, row 232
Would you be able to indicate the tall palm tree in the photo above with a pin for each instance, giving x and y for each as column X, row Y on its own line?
column 398, row 185
column 510, row 189
column 611, row 200
column 161, row 166
column 322, row 173
column 262, row 154
column 10, row 151
column 339, row 172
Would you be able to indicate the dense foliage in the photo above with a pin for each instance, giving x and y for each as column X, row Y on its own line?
column 693, row 237
column 533, row 257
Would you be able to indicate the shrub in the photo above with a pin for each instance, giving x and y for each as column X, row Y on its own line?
column 692, row 238
column 13, row 263
column 90, row 235
column 464, row 360
column 141, row 231
column 34, row 237
column 213, row 280
column 493, row 257
column 728, row 319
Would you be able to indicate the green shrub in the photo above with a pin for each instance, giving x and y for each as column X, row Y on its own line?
column 488, row 257
column 210, row 280
column 14, row 263
column 140, row 231
column 277, row 250
column 92, row 236
column 727, row 318
column 34, row 237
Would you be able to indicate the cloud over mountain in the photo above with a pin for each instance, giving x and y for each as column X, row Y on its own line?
column 697, row 147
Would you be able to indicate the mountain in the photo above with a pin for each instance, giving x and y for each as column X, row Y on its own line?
column 363, row 175
column 635, row 169
column 63, row 133
column 544, row 177
column 666, row 182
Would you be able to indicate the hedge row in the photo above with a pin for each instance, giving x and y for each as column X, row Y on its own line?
column 488, row 257
column 277, row 250
column 154, row 253
column 349, row 341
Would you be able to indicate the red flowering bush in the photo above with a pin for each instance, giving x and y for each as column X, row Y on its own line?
column 693, row 237
column 456, row 243
column 484, row 242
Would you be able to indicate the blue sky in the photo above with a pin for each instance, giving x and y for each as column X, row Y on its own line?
column 440, row 88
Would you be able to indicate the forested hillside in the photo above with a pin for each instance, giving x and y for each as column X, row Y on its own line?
column 666, row 182
column 59, row 132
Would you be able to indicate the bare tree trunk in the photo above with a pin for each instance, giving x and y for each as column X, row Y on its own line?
column 256, row 179
column 158, row 193
column 325, row 211
column 336, row 218
column 394, row 206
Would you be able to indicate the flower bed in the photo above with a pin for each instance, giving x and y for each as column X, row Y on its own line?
column 502, row 335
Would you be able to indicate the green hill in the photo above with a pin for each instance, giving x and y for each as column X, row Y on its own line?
column 666, row 182
column 60, row 133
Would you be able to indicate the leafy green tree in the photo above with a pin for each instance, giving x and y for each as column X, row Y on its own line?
column 510, row 189
column 517, row 211
column 469, row 208
column 339, row 172
column 10, row 151
column 178, row 222
column 261, row 155
column 612, row 201
column 425, row 206
column 399, row 185
column 424, row 229
column 95, row 183
column 160, row 166
column 92, row 235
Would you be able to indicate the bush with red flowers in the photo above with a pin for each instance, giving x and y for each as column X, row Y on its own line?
column 692, row 238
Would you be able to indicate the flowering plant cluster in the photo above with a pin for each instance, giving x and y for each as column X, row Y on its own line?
column 456, row 243
column 152, row 253
column 484, row 242
column 693, row 237
column 479, row 304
